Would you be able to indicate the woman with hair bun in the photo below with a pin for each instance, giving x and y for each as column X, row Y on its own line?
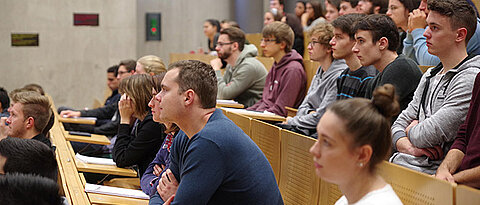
column 353, row 138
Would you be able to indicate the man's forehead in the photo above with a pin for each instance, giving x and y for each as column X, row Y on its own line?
column 223, row 37
column 363, row 34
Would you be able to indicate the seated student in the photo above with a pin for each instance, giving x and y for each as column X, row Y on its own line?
column 4, row 102
column 348, row 7
column 277, row 8
column 399, row 10
column 29, row 115
column 461, row 163
column 139, row 137
column 211, row 29
column 313, row 15
column 332, row 7
column 415, row 44
column 353, row 81
column 323, row 89
column 285, row 83
column 151, row 65
column 212, row 160
column 112, row 83
column 244, row 76
column 269, row 17
column 377, row 41
column 353, row 138
column 427, row 128
column 150, row 178
column 299, row 9
column 27, row 156
column 29, row 189
column 373, row 6
column 109, row 112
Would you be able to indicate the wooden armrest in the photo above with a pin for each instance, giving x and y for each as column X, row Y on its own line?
column 104, row 169
column 291, row 112
column 108, row 199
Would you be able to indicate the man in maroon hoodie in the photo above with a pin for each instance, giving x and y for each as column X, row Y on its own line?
column 462, row 163
column 286, row 82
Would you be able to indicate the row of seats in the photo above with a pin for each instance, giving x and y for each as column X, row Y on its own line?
column 288, row 154
column 71, row 179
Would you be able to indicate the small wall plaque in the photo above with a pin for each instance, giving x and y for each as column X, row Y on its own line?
column 85, row 19
column 24, row 39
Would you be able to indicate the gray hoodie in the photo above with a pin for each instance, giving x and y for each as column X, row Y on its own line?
column 244, row 81
column 322, row 92
column 446, row 106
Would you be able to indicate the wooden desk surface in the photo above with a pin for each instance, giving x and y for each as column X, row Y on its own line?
column 76, row 120
column 219, row 105
column 104, row 169
column 94, row 139
column 257, row 115
column 108, row 199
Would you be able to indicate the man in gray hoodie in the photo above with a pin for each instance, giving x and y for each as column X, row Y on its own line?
column 426, row 129
column 244, row 76
column 323, row 89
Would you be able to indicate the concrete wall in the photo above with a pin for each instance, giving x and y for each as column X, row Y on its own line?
column 70, row 61
column 182, row 24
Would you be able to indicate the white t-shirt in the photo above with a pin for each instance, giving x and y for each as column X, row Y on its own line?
column 385, row 195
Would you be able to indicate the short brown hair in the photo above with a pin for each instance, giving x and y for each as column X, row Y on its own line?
column 460, row 13
column 235, row 35
column 281, row 32
column 200, row 77
column 129, row 64
column 34, row 105
column 152, row 64
column 345, row 23
column 379, row 26
column 368, row 121
column 139, row 89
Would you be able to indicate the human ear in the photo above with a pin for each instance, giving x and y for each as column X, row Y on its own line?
column 364, row 154
column 30, row 122
column 383, row 43
column 189, row 96
column 461, row 34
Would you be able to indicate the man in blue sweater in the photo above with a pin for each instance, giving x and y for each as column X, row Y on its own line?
column 212, row 160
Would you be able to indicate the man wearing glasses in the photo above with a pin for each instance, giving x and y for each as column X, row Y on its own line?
column 286, row 81
column 323, row 89
column 244, row 76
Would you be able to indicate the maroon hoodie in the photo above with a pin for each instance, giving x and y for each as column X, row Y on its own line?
column 284, row 86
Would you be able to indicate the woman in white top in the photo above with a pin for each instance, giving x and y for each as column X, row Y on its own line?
column 313, row 15
column 353, row 138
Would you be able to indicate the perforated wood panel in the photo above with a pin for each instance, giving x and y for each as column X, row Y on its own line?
column 416, row 188
column 329, row 193
column 267, row 138
column 298, row 181
column 241, row 121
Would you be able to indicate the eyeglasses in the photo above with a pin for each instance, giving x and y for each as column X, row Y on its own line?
column 312, row 43
column 222, row 44
column 265, row 40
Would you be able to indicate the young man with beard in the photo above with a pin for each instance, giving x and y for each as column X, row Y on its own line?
column 29, row 115
column 244, row 76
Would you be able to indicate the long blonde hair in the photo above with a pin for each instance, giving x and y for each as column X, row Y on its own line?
column 152, row 64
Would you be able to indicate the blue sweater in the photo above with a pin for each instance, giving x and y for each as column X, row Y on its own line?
column 221, row 165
